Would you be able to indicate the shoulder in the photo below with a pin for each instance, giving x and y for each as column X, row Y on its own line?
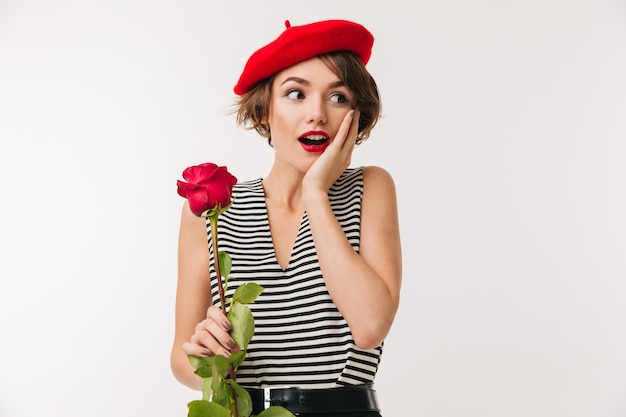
column 371, row 174
column 189, row 219
column 378, row 187
column 376, row 177
column 192, row 237
column 372, row 180
column 253, row 186
column 247, row 197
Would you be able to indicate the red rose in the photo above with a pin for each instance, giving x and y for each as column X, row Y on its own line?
column 207, row 187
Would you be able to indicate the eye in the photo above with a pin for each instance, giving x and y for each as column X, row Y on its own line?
column 339, row 98
column 295, row 95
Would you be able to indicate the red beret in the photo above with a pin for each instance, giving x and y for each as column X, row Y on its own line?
column 299, row 43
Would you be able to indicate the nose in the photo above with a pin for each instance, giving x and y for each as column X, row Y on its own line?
column 317, row 112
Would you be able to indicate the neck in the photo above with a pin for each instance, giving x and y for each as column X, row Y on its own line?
column 283, row 189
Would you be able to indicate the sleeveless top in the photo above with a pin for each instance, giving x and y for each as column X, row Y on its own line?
column 300, row 338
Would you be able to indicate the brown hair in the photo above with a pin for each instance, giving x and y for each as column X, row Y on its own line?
column 253, row 106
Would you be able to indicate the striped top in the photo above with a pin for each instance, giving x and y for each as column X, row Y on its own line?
column 300, row 337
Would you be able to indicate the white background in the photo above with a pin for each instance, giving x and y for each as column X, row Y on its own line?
column 505, row 129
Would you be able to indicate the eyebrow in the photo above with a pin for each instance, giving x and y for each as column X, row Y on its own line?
column 305, row 82
column 295, row 79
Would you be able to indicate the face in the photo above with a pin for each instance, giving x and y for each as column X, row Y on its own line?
column 307, row 106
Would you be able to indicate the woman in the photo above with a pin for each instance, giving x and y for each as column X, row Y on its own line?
column 321, row 238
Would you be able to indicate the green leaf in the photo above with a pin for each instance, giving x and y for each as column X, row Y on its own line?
column 237, row 359
column 242, row 322
column 275, row 411
column 199, row 362
column 247, row 293
column 212, row 213
column 201, row 408
column 221, row 365
column 204, row 372
column 207, row 391
column 202, row 365
column 216, row 385
column 225, row 262
column 221, row 394
column 244, row 401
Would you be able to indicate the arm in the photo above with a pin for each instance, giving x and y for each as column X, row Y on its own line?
column 198, row 324
column 365, row 286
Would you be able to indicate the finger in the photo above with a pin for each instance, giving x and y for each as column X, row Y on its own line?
column 221, row 336
column 218, row 327
column 354, row 126
column 350, row 140
column 344, row 129
column 208, row 344
column 196, row 350
column 351, row 135
column 215, row 314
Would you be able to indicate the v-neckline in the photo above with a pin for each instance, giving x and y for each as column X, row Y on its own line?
column 294, row 245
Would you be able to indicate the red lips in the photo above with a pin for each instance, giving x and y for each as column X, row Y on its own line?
column 314, row 141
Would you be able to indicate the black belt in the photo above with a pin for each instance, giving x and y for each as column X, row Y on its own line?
column 351, row 398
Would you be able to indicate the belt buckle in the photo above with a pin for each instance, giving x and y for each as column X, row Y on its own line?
column 266, row 397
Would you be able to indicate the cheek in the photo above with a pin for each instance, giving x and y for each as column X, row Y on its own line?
column 336, row 121
column 279, row 118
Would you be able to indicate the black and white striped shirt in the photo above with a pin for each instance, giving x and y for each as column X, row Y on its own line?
column 300, row 337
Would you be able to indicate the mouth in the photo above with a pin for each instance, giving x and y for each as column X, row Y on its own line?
column 314, row 141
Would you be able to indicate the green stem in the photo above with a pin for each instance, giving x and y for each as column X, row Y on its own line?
column 220, row 286
column 220, row 290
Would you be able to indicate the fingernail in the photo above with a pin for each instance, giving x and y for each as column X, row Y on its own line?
column 231, row 343
column 226, row 325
